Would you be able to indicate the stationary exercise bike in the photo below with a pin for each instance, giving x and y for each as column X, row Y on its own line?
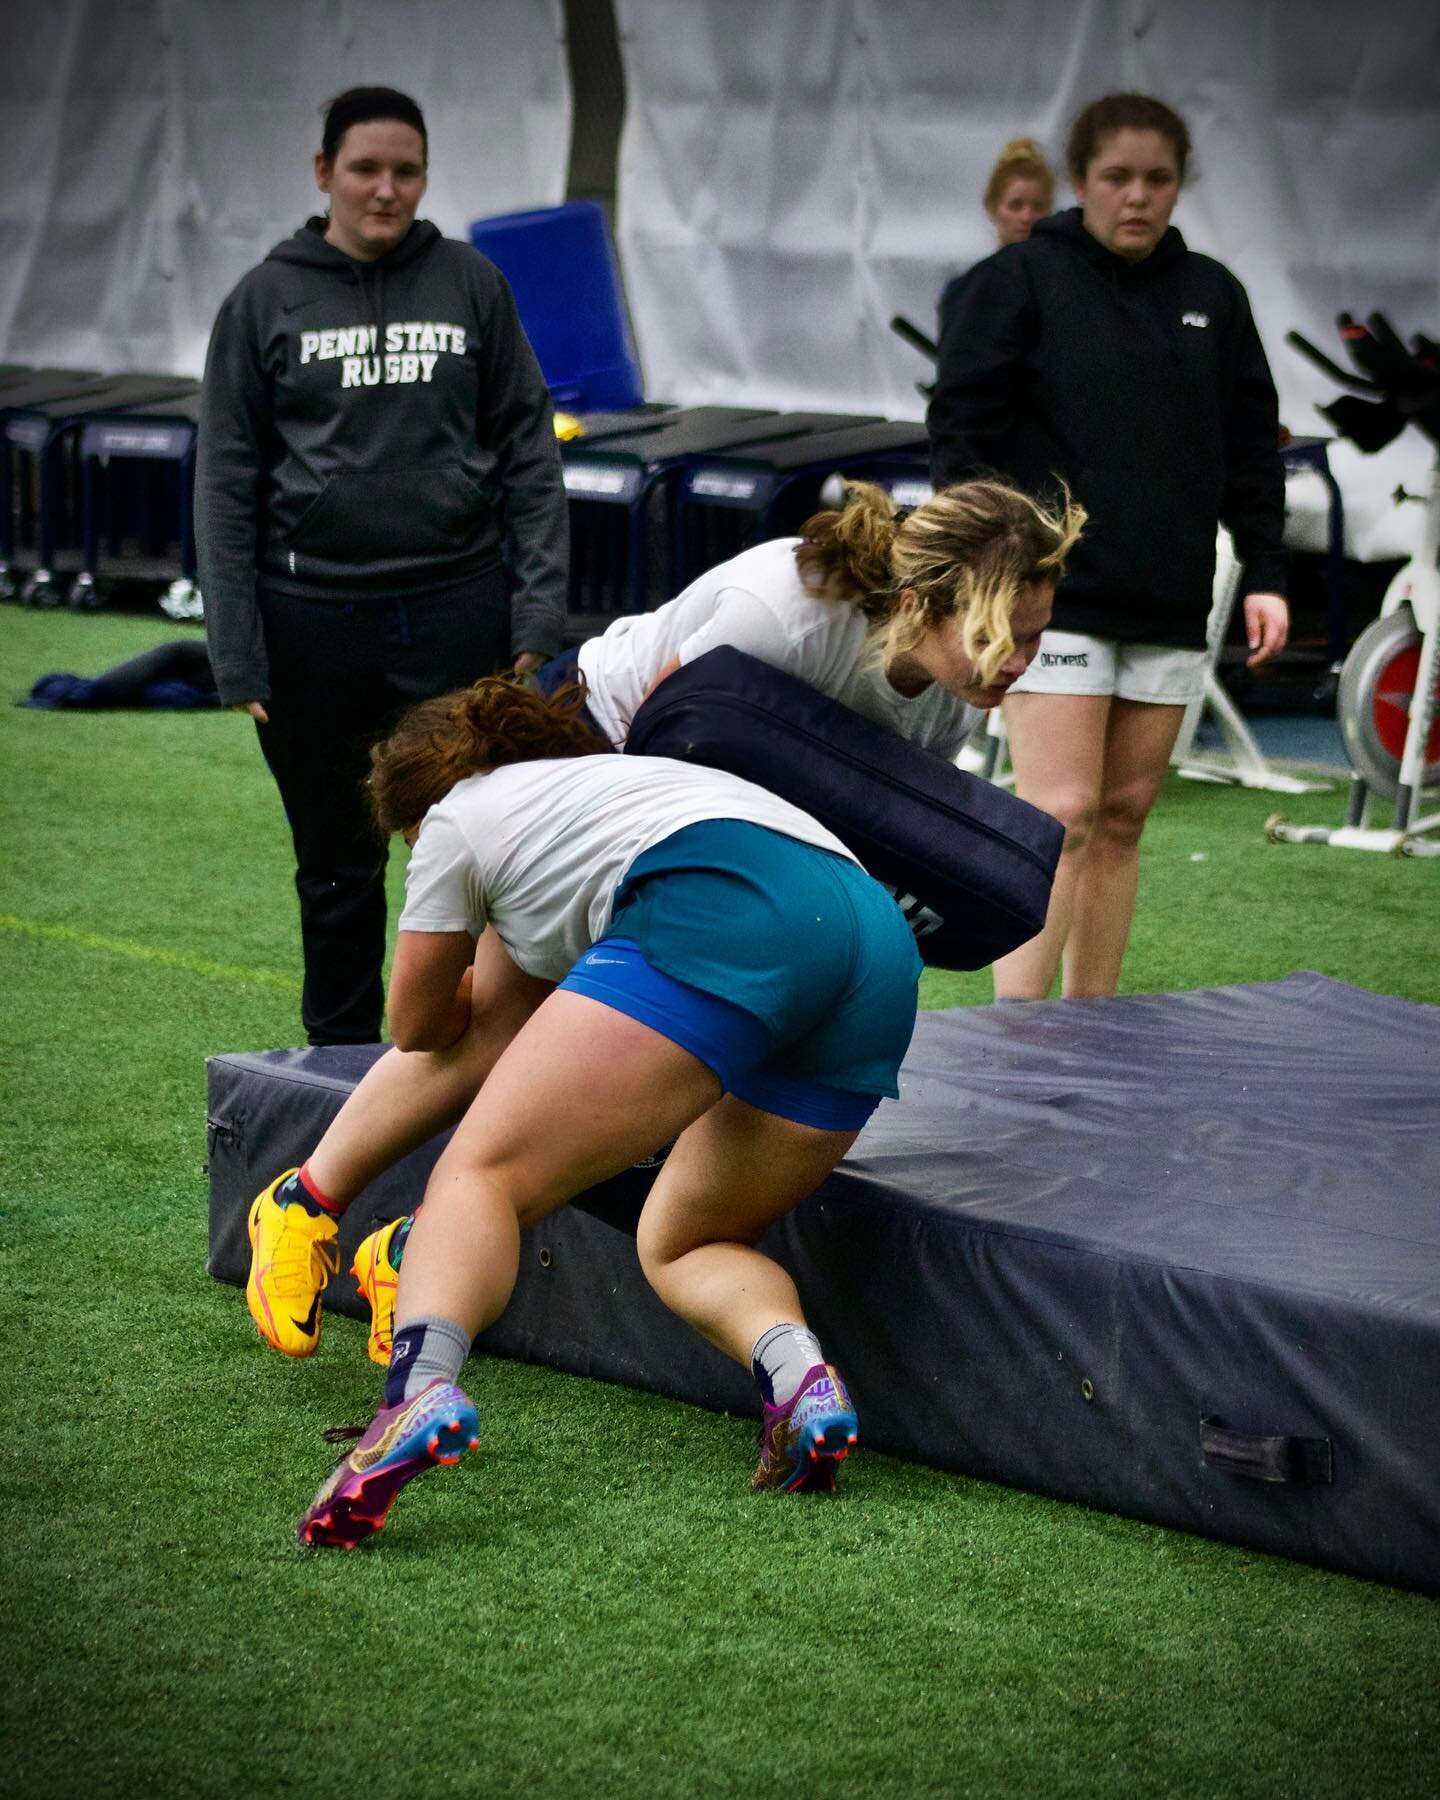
column 1388, row 702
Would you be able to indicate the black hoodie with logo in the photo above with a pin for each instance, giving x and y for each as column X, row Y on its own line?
column 368, row 429
column 1144, row 387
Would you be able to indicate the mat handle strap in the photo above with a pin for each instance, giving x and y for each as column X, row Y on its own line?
column 1303, row 1461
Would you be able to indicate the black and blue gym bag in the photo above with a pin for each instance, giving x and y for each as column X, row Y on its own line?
column 970, row 864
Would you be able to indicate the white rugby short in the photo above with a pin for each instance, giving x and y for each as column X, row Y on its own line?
column 1068, row 662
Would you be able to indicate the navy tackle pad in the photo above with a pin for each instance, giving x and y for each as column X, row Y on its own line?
column 970, row 864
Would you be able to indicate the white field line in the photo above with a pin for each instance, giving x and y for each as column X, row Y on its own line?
column 169, row 959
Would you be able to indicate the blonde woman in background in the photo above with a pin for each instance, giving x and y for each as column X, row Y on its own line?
column 1021, row 189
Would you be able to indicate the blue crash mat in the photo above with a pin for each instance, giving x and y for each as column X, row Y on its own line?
column 1176, row 1256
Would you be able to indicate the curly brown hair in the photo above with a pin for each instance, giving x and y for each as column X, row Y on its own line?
column 475, row 729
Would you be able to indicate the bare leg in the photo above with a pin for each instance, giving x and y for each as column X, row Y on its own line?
column 582, row 1093
column 1137, row 756
column 409, row 1096
column 732, row 1174
column 1057, row 746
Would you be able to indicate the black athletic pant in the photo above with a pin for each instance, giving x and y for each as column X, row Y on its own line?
column 340, row 675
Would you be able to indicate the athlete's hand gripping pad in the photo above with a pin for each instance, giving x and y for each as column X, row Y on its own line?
column 970, row 864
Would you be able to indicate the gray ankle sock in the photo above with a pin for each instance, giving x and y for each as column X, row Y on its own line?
column 781, row 1358
column 425, row 1350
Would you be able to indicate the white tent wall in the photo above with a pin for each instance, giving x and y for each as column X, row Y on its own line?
column 793, row 172
column 156, row 149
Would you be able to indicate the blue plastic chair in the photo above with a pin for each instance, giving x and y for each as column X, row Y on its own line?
column 561, row 264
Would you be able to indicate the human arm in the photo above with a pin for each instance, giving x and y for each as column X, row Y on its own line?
column 743, row 620
column 513, row 421
column 430, row 994
column 428, row 1003
column 779, row 627
column 662, row 674
column 986, row 320
column 1267, row 626
column 229, row 469
column 1253, row 500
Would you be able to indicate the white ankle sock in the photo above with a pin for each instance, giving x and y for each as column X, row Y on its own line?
column 781, row 1358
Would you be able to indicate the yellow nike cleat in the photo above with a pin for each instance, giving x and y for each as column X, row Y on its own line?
column 376, row 1270
column 293, row 1254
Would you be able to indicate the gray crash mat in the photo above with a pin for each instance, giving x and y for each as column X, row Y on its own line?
column 1176, row 1256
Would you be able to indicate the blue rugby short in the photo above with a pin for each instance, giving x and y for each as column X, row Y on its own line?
column 782, row 967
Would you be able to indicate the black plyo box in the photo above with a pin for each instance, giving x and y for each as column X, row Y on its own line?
column 1174, row 1256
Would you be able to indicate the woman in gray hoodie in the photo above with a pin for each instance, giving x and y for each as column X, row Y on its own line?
column 374, row 427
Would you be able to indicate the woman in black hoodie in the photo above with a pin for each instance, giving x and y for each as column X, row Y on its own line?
column 1104, row 355
column 373, row 424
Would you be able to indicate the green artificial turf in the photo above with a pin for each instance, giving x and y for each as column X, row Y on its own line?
column 594, row 1603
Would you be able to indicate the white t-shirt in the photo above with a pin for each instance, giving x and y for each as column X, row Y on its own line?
column 758, row 603
column 537, row 849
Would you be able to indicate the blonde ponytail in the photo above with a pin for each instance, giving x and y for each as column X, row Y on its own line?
column 844, row 554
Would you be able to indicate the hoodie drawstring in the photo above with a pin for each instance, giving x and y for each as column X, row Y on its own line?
column 374, row 295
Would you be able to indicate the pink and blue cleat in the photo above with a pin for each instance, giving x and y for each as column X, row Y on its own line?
column 437, row 1427
column 803, row 1442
